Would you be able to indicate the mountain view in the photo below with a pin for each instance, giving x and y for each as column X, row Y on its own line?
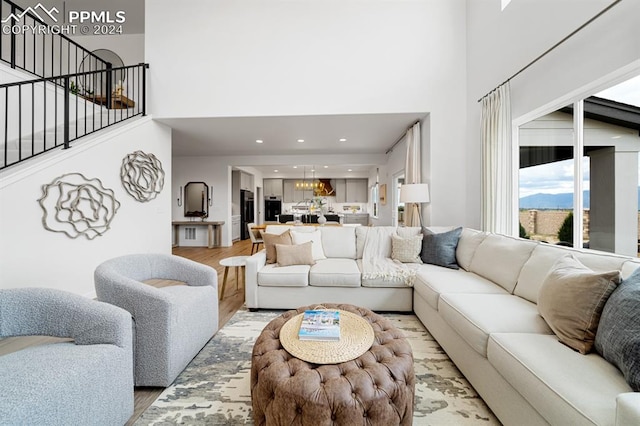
column 556, row 201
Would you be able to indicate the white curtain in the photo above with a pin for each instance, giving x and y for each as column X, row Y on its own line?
column 497, row 211
column 412, row 171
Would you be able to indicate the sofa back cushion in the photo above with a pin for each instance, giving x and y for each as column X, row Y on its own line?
column 469, row 241
column 500, row 258
column 339, row 242
column 279, row 229
column 544, row 256
column 629, row 267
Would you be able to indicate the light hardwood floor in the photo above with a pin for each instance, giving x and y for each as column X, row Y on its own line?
column 232, row 301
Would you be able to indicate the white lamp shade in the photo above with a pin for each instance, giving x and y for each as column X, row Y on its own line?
column 414, row 193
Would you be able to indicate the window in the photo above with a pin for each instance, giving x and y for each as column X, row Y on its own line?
column 579, row 173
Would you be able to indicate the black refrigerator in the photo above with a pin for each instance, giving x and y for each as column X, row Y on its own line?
column 246, row 213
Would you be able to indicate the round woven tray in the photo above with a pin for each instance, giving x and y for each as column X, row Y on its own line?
column 356, row 337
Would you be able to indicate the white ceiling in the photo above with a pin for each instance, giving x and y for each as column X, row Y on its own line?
column 364, row 134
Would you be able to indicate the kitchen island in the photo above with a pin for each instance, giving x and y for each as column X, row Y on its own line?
column 307, row 218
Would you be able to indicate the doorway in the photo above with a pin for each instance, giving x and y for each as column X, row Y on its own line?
column 397, row 208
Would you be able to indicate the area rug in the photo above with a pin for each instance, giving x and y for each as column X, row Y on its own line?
column 214, row 389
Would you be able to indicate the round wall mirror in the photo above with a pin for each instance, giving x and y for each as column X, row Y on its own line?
column 96, row 84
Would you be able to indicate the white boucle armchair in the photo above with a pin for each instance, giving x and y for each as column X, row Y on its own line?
column 171, row 324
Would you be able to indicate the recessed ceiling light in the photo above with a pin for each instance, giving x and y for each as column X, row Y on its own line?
column 343, row 140
column 259, row 141
column 295, row 167
column 275, row 171
column 300, row 140
column 326, row 167
column 349, row 170
column 313, row 170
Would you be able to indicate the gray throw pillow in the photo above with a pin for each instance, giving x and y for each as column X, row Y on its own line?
column 618, row 335
column 440, row 249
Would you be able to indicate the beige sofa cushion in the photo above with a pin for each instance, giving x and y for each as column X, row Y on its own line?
column 432, row 281
column 339, row 242
column 406, row 250
column 314, row 237
column 270, row 242
column 335, row 273
column 299, row 254
column 500, row 258
column 476, row 316
column 469, row 241
column 272, row 275
column 571, row 300
column 566, row 388
column 544, row 256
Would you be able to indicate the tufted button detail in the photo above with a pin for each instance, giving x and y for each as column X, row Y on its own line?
column 384, row 373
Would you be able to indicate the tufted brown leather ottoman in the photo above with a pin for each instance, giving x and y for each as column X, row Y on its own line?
column 375, row 389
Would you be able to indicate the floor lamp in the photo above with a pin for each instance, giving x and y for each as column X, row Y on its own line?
column 416, row 193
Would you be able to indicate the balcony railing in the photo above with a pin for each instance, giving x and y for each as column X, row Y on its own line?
column 28, row 43
column 39, row 115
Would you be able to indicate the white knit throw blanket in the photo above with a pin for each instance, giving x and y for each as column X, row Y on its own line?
column 377, row 262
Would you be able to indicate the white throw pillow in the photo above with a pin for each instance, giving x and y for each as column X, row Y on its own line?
column 315, row 237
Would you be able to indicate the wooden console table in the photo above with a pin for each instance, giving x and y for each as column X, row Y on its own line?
column 214, row 228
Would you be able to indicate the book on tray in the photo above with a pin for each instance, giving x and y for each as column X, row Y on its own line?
column 320, row 325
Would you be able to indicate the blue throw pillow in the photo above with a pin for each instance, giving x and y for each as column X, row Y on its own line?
column 440, row 249
column 618, row 335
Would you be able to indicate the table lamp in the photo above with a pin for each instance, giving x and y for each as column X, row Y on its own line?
column 416, row 193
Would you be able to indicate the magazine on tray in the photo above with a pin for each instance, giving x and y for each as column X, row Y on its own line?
column 321, row 325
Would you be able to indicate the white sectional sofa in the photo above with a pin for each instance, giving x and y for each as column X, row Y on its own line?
column 336, row 279
column 484, row 315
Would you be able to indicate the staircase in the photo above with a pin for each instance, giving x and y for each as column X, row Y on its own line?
column 54, row 91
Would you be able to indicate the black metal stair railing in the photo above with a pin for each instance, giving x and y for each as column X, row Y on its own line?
column 39, row 115
column 43, row 53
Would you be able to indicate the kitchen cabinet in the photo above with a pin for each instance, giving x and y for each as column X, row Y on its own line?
column 272, row 187
column 354, row 191
column 246, row 181
column 357, row 191
column 289, row 191
column 340, row 186
column 235, row 228
column 356, row 218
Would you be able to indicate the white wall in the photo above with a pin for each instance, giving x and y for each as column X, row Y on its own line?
column 33, row 256
column 256, row 58
column 501, row 43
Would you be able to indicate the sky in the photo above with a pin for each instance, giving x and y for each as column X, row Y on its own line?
column 557, row 178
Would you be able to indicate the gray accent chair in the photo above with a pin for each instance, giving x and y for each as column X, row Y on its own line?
column 87, row 381
column 171, row 324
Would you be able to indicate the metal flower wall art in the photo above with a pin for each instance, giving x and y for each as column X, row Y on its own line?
column 75, row 206
column 142, row 176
